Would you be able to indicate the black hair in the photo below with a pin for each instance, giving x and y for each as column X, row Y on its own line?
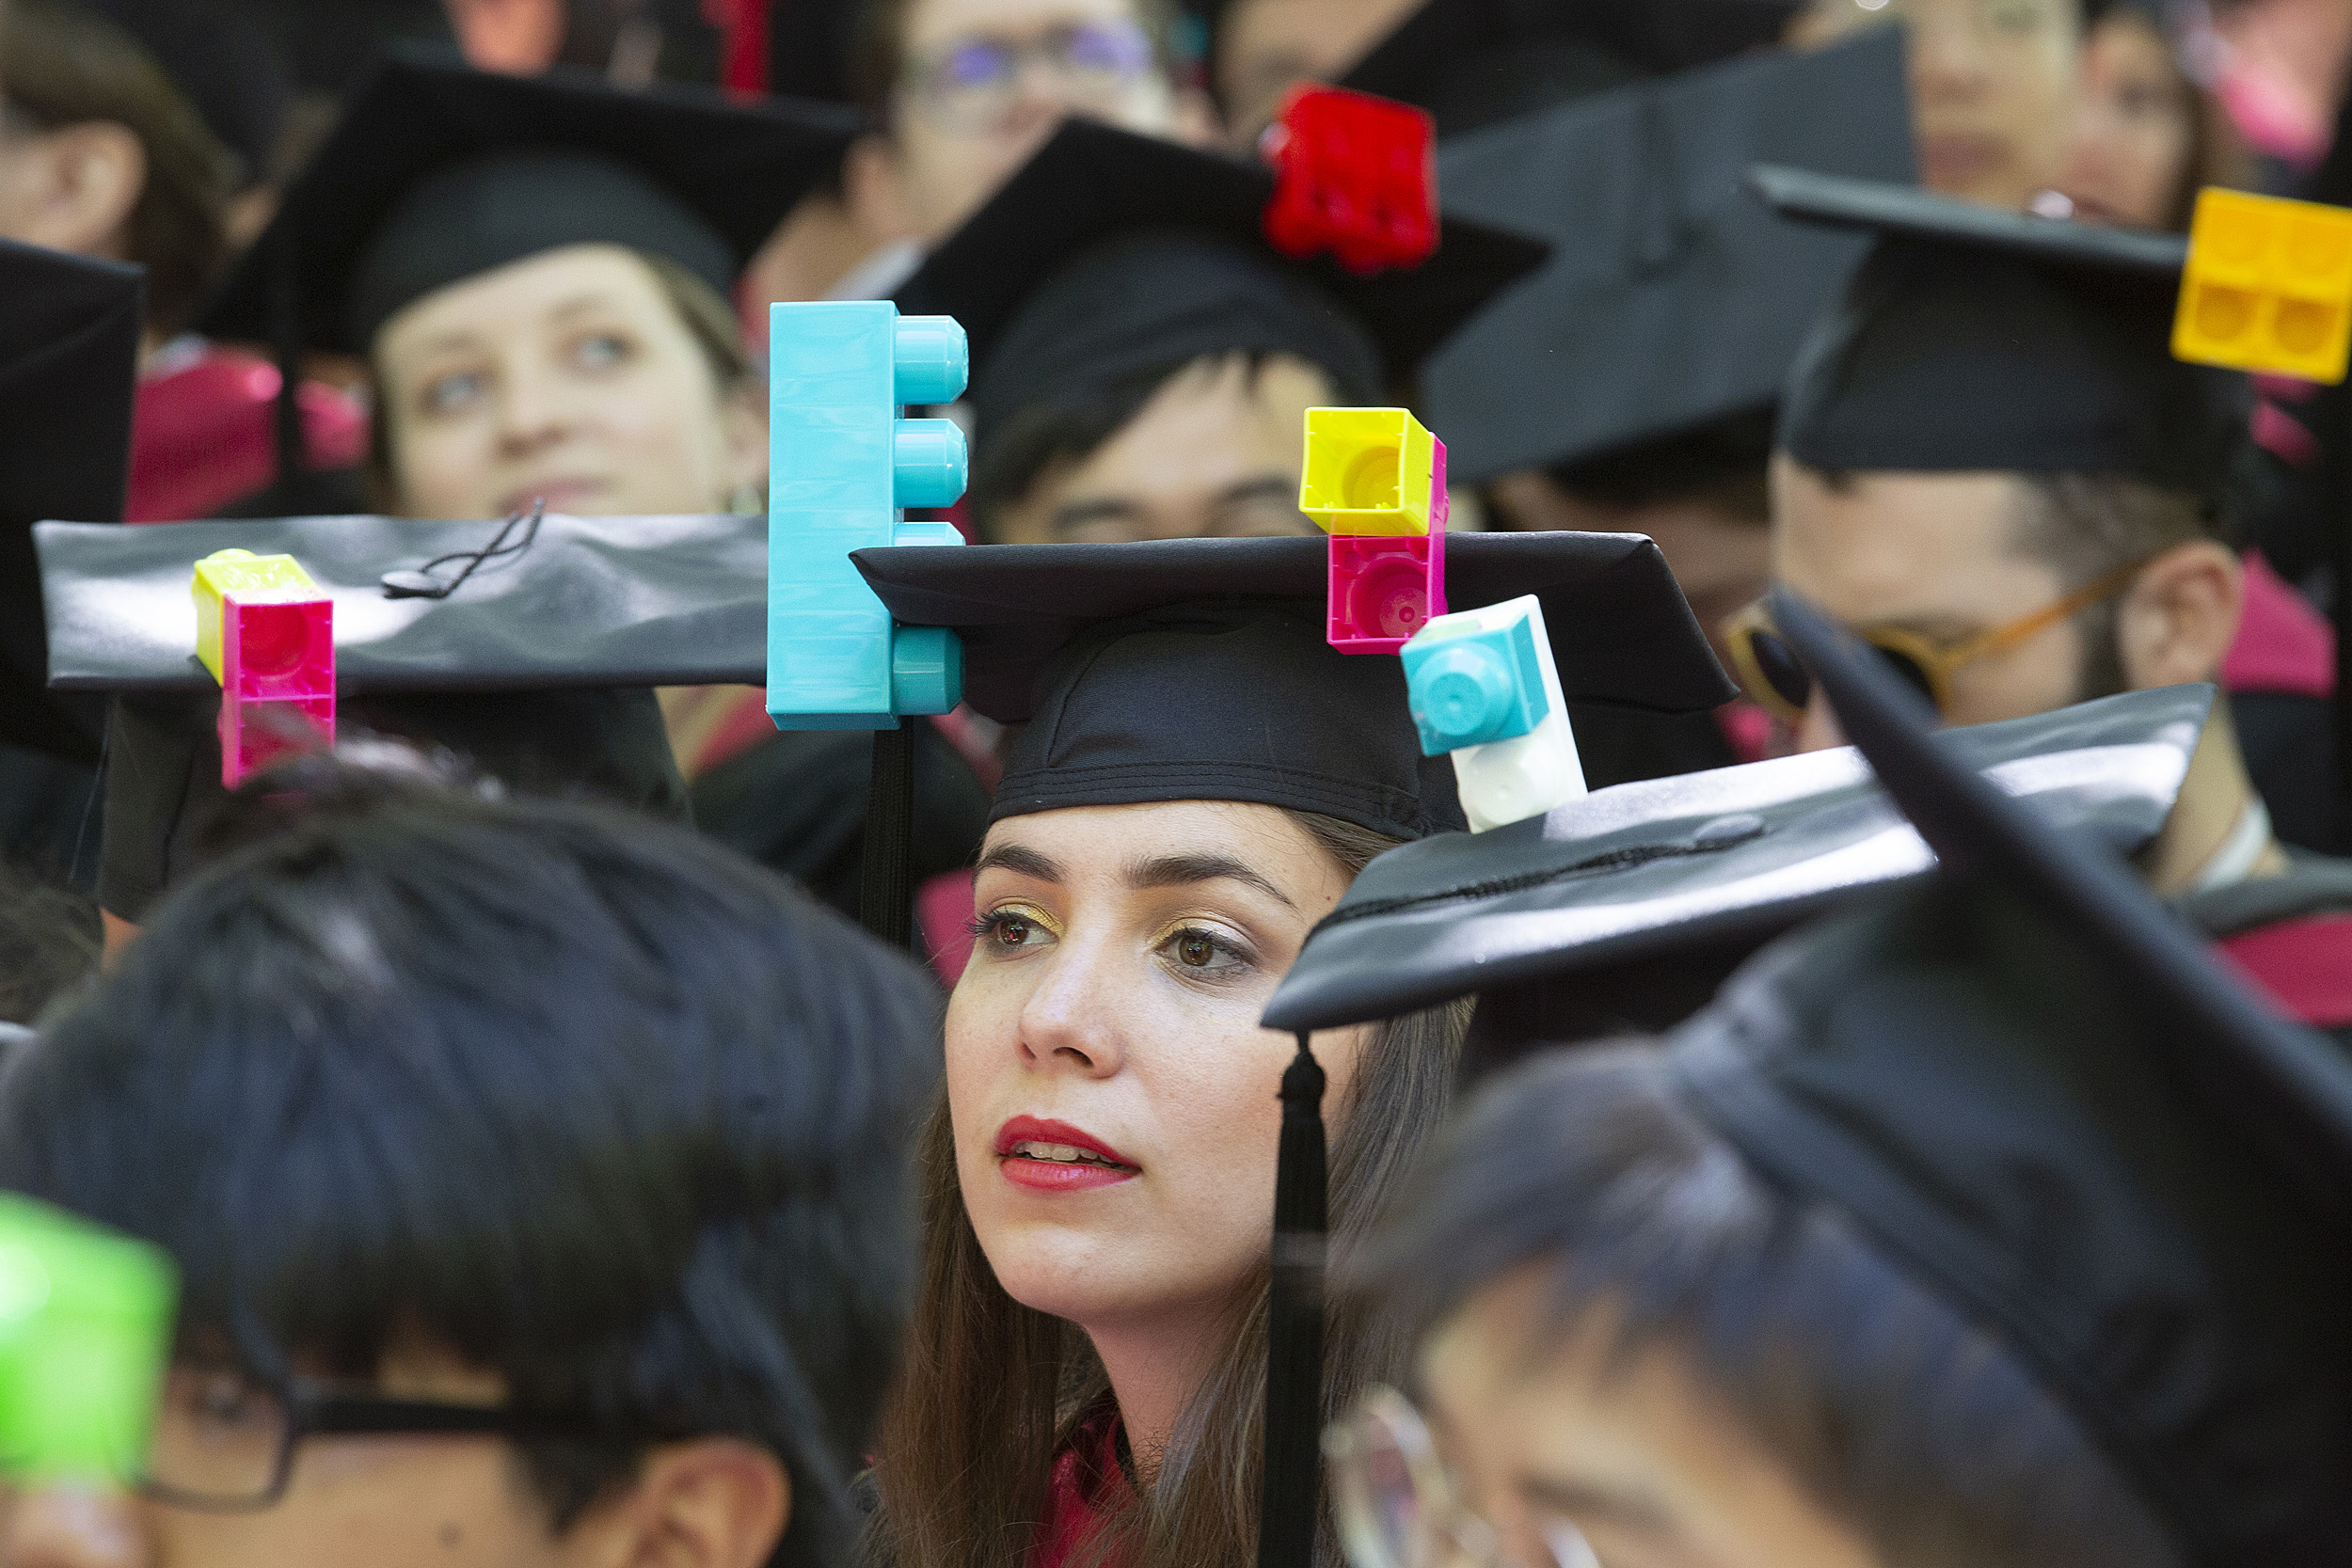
column 1011, row 459
column 1899, row 1417
column 577, row 1098
column 49, row 941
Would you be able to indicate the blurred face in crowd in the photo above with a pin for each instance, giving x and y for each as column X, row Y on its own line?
column 1215, row 454
column 1111, row 1092
column 983, row 83
column 2135, row 128
column 1721, row 556
column 571, row 376
column 1574, row 1457
column 1264, row 46
column 1992, row 87
column 1944, row 556
column 397, row 1501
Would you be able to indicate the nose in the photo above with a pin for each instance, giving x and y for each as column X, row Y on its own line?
column 1948, row 54
column 533, row 411
column 1072, row 1020
column 1819, row 730
column 69, row 1527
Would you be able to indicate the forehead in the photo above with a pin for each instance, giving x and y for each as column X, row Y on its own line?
column 1104, row 841
column 1888, row 545
column 1208, row 426
column 930, row 22
column 513, row 297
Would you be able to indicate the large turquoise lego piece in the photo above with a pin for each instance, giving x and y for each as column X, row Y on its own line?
column 844, row 463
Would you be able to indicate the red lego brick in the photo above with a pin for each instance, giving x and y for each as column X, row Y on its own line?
column 1356, row 176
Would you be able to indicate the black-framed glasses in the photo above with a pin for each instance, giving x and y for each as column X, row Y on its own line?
column 224, row 1442
column 969, row 84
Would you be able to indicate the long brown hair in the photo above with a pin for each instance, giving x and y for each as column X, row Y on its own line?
column 990, row 1391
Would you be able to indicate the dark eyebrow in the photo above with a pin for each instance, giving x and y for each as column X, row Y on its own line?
column 1185, row 870
column 1627, row 1509
column 1022, row 861
column 1275, row 486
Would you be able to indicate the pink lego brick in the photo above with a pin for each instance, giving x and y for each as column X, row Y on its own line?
column 277, row 680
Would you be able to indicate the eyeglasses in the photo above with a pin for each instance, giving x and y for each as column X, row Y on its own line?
column 1397, row 1505
column 971, row 84
column 225, row 1443
column 1770, row 672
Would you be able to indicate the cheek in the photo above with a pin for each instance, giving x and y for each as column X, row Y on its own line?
column 376, row 1504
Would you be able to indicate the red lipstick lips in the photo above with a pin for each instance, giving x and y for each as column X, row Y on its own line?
column 1055, row 1157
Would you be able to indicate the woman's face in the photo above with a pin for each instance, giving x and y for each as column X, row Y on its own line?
column 2133, row 128
column 1114, row 1099
column 569, row 376
column 1992, row 87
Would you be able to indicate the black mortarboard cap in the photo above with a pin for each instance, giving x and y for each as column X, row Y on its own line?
column 1198, row 669
column 1626, row 910
column 2032, row 1087
column 1473, row 63
column 537, row 667
column 437, row 172
column 1674, row 298
column 1110, row 254
column 1976, row 339
column 68, row 362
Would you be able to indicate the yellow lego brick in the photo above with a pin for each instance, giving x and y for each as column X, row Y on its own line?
column 1369, row 471
column 2267, row 287
column 243, row 575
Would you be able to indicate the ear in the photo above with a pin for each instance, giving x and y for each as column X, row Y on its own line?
column 743, row 426
column 2179, row 617
column 875, row 187
column 82, row 184
column 712, row 1502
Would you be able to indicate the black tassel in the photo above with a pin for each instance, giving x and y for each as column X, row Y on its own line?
column 886, row 880
column 1293, row 1369
column 293, row 440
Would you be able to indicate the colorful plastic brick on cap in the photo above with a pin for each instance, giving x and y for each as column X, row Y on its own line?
column 1482, row 685
column 86, row 1334
column 1354, row 175
column 267, row 634
column 843, row 464
column 1372, row 471
column 2267, row 288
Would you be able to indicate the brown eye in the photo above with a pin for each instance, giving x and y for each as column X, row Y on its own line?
column 1012, row 931
column 1195, row 950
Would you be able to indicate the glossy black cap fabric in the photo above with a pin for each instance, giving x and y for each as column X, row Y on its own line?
column 1473, row 63
column 2034, row 1090
column 538, row 669
column 1978, row 340
column 1198, row 669
column 1673, row 297
column 1626, row 910
column 437, row 172
column 591, row 601
column 69, row 364
column 1111, row 253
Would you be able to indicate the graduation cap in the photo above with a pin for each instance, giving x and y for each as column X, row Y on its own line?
column 1199, row 668
column 69, row 363
column 1474, row 63
column 1627, row 909
column 437, row 172
column 1111, row 254
column 2030, row 1087
column 1978, row 340
column 535, row 664
column 1673, row 299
